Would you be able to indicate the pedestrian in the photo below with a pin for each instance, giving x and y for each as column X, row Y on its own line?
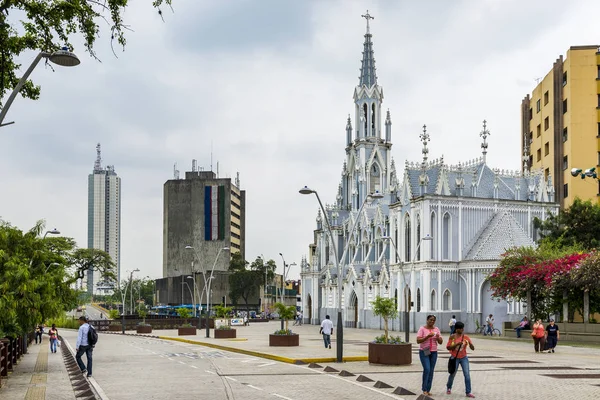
column 327, row 331
column 452, row 324
column 39, row 331
column 428, row 338
column 539, row 336
column 553, row 335
column 457, row 344
column 489, row 322
column 524, row 324
column 53, row 333
column 83, row 346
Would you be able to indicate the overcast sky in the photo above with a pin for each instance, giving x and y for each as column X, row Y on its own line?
column 269, row 83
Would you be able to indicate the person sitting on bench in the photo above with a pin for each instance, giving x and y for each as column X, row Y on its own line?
column 524, row 324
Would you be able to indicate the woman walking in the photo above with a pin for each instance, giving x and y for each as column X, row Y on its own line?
column 428, row 338
column 553, row 335
column 539, row 336
column 457, row 344
column 53, row 332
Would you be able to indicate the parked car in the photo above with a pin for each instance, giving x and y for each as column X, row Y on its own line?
column 274, row 315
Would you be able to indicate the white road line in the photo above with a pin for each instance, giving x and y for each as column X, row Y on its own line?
column 231, row 379
column 181, row 362
column 245, row 361
column 280, row 396
column 210, row 372
column 154, row 352
column 254, row 387
column 193, row 366
column 266, row 365
column 169, row 358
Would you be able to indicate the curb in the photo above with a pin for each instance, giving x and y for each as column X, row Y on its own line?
column 265, row 355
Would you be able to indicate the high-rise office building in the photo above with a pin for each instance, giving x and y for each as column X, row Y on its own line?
column 560, row 124
column 104, row 220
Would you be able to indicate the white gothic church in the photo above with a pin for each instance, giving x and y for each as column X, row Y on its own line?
column 436, row 234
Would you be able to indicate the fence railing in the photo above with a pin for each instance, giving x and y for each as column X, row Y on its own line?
column 156, row 323
column 11, row 351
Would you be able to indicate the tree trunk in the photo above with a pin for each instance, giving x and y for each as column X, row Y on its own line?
column 565, row 306
column 385, row 329
column 529, row 305
column 586, row 306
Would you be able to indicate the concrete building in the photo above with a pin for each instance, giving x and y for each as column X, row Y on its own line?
column 104, row 221
column 206, row 213
column 560, row 124
column 432, row 238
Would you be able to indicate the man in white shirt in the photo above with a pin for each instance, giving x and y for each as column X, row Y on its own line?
column 489, row 321
column 327, row 331
column 83, row 346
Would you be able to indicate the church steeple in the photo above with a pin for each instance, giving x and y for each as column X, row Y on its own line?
column 368, row 76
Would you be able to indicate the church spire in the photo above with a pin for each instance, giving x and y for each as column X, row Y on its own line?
column 367, row 67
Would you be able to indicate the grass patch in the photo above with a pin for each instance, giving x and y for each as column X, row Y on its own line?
column 64, row 322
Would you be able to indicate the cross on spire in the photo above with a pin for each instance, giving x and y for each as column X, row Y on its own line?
column 484, row 134
column 367, row 16
column 424, row 139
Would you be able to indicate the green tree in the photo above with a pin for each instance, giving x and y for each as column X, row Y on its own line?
column 82, row 260
column 48, row 25
column 245, row 279
column 386, row 309
column 285, row 313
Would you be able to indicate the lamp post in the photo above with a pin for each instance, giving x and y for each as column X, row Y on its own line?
column 262, row 257
column 52, row 232
column 406, row 311
column 338, row 266
column 51, row 264
column 62, row 57
column 193, row 278
column 207, row 282
column 123, row 294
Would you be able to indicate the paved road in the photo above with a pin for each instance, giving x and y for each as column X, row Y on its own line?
column 130, row 367
column 94, row 313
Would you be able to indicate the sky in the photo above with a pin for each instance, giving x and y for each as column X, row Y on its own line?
column 267, row 85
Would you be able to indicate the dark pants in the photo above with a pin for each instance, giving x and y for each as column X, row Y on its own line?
column 428, row 363
column 452, row 330
column 38, row 335
column 88, row 350
column 538, row 343
column 552, row 341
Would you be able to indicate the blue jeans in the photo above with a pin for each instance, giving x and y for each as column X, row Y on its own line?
column 88, row 350
column 452, row 330
column 53, row 345
column 464, row 365
column 428, row 363
column 488, row 329
column 327, row 340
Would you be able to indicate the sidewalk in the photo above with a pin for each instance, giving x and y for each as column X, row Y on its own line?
column 39, row 375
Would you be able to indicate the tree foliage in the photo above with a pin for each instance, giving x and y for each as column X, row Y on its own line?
column 285, row 313
column 245, row 279
column 385, row 308
column 48, row 25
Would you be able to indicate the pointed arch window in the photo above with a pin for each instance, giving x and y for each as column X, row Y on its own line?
column 365, row 115
column 446, row 243
column 396, row 239
column 373, row 119
column 418, row 300
column 447, row 300
column 418, row 255
column 434, row 235
column 433, row 300
column 407, row 239
column 375, row 178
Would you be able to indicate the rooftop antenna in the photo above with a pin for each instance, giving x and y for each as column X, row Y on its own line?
column 175, row 171
column 98, row 163
column 237, row 180
column 217, row 169
column 211, row 154
column 537, row 81
column 194, row 165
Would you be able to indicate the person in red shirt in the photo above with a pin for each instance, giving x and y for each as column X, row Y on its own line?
column 457, row 345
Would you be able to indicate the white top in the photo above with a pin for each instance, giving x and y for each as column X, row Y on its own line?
column 452, row 322
column 327, row 326
column 489, row 320
column 82, row 335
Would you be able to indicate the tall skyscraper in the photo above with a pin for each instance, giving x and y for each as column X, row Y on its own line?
column 104, row 220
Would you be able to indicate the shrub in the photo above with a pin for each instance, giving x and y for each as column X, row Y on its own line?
column 283, row 332
column 389, row 340
column 224, row 327
column 386, row 309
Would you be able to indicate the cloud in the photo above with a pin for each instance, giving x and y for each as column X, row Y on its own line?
column 268, row 86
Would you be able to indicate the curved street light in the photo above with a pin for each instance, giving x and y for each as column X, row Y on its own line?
column 338, row 265
column 62, row 57
column 52, row 232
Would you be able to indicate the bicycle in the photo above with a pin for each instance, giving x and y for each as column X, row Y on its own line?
column 482, row 330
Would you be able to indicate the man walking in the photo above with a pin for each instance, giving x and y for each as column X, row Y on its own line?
column 327, row 331
column 489, row 322
column 83, row 346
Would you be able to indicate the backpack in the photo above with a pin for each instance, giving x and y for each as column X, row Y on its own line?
column 92, row 336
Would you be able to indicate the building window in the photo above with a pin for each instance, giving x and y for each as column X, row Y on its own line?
column 546, row 123
column 538, row 155
column 538, row 106
column 598, row 129
column 530, row 137
column 546, row 148
column 446, row 237
column 546, row 173
column 566, row 190
column 598, row 71
column 433, row 300
column 564, row 106
column 546, row 96
column 598, row 161
column 565, row 135
column 539, row 131
column 599, row 101
column 447, row 300
column 407, row 240
column 530, row 114
column 565, row 162
column 564, row 78
column 418, row 300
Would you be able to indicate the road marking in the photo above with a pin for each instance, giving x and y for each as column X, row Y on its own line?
column 231, row 379
column 154, row 352
column 280, row 396
column 254, row 387
column 210, row 372
column 169, row 358
column 193, row 366
column 181, row 362
column 266, row 365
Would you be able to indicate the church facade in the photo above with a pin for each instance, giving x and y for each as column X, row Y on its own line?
column 428, row 238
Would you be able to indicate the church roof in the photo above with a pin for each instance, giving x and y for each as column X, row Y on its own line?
column 502, row 233
column 368, row 76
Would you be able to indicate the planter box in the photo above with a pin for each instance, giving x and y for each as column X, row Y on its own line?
column 186, row 331
column 390, row 354
column 115, row 328
column 284, row 340
column 144, row 329
column 225, row 334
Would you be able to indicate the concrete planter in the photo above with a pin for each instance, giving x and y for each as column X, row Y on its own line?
column 225, row 334
column 184, row 331
column 115, row 328
column 284, row 340
column 144, row 329
column 390, row 354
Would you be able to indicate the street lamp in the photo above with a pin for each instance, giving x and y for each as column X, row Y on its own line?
column 207, row 282
column 338, row 266
column 193, row 278
column 62, row 57
column 283, row 278
column 123, row 294
column 406, row 311
column 52, row 232
column 51, row 264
